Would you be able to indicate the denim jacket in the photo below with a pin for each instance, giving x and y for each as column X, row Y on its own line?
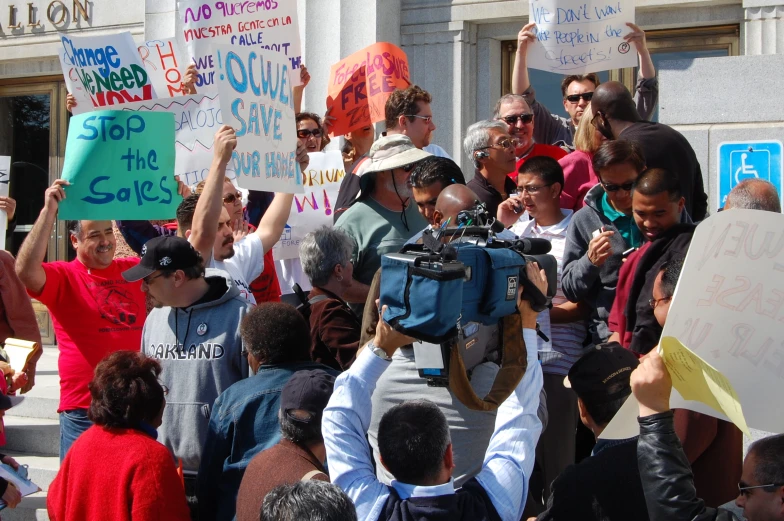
column 244, row 422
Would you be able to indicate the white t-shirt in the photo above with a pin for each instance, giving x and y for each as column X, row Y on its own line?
column 436, row 151
column 245, row 266
column 290, row 273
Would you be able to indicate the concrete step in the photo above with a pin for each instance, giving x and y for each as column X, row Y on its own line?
column 41, row 469
column 32, row 435
column 32, row 508
column 43, row 399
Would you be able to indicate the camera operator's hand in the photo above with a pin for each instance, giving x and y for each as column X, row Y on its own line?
column 387, row 338
column 538, row 277
column 651, row 384
column 600, row 249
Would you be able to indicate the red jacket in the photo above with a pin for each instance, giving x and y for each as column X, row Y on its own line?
column 117, row 474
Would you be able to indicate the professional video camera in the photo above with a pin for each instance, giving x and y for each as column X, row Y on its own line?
column 452, row 290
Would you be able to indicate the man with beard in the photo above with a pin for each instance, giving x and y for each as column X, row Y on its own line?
column 193, row 331
column 384, row 217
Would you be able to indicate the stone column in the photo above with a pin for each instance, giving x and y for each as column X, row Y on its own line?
column 763, row 27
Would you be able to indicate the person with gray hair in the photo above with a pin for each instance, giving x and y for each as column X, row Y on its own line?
column 334, row 328
column 489, row 145
column 308, row 501
column 516, row 113
column 754, row 194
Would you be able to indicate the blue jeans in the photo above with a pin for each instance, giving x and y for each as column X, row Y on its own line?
column 72, row 424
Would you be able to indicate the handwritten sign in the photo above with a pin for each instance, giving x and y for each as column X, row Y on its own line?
column 263, row 25
column 350, row 106
column 5, row 177
column 74, row 86
column 196, row 120
column 165, row 64
column 386, row 69
column 313, row 209
column 581, row 36
column 256, row 100
column 108, row 68
column 121, row 166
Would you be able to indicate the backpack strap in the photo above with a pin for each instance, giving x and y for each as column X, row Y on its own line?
column 317, row 298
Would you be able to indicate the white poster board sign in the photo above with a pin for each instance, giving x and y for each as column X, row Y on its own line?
column 5, row 177
column 256, row 100
column 268, row 25
column 165, row 63
column 314, row 208
column 581, row 36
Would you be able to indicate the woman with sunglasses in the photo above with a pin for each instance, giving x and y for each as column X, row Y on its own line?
column 579, row 176
column 602, row 232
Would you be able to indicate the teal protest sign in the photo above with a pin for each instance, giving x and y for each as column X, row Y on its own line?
column 121, row 166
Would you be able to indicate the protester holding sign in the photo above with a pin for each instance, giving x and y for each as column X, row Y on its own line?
column 94, row 310
column 577, row 89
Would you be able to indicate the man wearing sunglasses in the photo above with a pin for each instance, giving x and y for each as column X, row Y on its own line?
column 514, row 110
column 577, row 90
column 664, row 469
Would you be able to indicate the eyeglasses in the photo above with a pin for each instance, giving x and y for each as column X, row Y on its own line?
column 512, row 120
column 575, row 98
column 149, row 279
column 506, row 144
column 531, row 189
column 230, row 198
column 626, row 187
column 305, row 133
column 656, row 301
column 743, row 489
column 427, row 119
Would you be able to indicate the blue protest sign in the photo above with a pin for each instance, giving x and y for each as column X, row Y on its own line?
column 749, row 160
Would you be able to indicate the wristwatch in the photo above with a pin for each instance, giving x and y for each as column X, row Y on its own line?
column 379, row 352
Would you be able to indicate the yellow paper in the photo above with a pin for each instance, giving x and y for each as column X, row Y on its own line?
column 19, row 352
column 697, row 380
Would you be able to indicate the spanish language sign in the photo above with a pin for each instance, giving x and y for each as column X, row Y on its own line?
column 121, row 166
column 108, row 68
column 196, row 120
column 165, row 64
column 259, row 25
column 313, row 209
column 5, row 178
column 350, row 106
column 386, row 69
column 581, row 36
column 255, row 95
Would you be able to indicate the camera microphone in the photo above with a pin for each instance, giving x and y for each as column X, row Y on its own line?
column 497, row 226
column 534, row 246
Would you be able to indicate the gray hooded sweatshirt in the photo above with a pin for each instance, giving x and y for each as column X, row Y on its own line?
column 200, row 351
column 581, row 280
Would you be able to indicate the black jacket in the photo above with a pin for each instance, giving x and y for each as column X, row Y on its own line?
column 666, row 475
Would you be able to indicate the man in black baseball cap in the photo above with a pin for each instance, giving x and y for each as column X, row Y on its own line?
column 606, row 485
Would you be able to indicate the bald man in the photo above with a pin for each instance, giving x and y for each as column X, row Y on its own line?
column 616, row 117
column 754, row 194
column 453, row 200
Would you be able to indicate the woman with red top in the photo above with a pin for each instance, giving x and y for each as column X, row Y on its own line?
column 116, row 470
column 579, row 176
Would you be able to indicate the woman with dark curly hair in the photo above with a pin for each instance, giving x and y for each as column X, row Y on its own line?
column 116, row 470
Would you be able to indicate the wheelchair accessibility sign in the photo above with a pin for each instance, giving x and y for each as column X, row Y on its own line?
column 739, row 161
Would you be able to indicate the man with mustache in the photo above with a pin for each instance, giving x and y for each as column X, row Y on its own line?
column 95, row 312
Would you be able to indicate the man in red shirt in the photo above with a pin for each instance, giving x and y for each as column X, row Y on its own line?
column 94, row 310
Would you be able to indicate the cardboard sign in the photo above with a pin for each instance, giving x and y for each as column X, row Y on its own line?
column 350, row 106
column 256, row 100
column 5, row 178
column 73, row 85
column 386, row 69
column 196, row 120
column 121, row 166
column 165, row 64
column 313, row 209
column 264, row 25
column 581, row 36
column 108, row 68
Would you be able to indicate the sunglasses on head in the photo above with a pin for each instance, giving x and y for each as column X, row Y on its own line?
column 575, row 98
column 230, row 198
column 626, row 187
column 512, row 120
column 305, row 133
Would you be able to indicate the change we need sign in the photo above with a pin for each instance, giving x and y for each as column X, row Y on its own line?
column 256, row 100
column 121, row 166
column 108, row 69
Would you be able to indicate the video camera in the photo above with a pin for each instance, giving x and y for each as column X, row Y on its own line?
column 452, row 290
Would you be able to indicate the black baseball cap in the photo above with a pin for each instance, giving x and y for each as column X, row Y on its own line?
column 163, row 253
column 602, row 374
column 307, row 391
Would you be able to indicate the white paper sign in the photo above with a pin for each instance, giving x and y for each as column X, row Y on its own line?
column 108, row 68
column 5, row 177
column 196, row 120
column 264, row 25
column 581, row 36
column 74, row 86
column 256, row 100
column 165, row 63
column 313, row 209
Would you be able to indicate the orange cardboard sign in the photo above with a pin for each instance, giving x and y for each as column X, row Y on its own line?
column 386, row 69
column 350, row 107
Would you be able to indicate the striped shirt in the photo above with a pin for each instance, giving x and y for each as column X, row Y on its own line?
column 566, row 344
